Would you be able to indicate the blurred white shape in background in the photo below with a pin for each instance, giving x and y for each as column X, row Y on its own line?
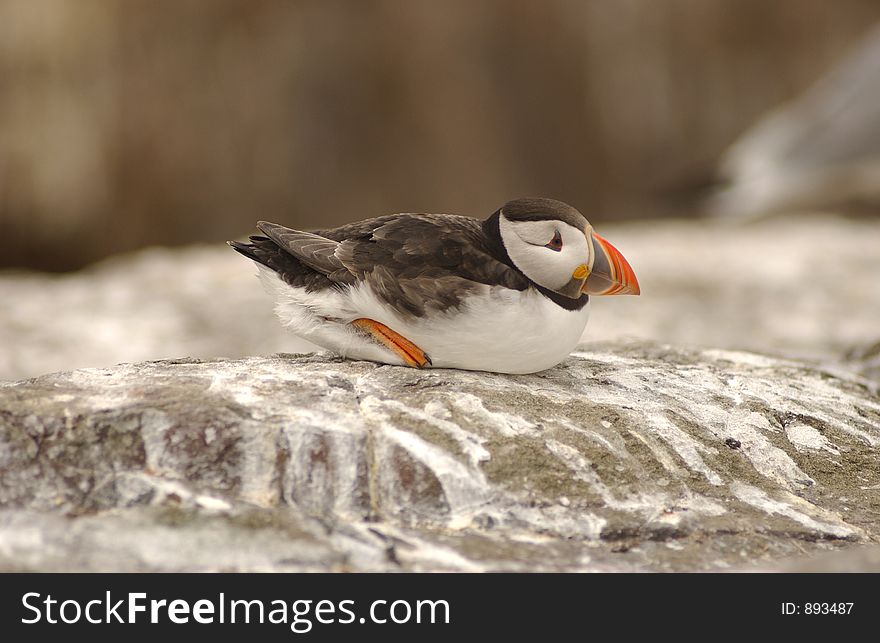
column 819, row 151
column 157, row 303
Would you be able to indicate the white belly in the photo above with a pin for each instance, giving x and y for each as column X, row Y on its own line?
column 496, row 329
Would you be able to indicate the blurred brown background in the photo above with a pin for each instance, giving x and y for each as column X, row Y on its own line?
column 126, row 123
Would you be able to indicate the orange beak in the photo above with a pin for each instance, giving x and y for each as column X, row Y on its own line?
column 611, row 273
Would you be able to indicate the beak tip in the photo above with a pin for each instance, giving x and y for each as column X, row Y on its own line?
column 634, row 288
column 619, row 277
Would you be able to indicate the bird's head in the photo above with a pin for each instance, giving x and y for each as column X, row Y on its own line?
column 553, row 245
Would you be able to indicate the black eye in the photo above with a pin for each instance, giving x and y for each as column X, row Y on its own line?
column 555, row 242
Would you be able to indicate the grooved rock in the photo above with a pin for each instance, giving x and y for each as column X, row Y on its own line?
column 624, row 457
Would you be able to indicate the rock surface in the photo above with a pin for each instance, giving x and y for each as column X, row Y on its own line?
column 625, row 457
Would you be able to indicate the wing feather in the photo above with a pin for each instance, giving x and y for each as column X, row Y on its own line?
column 317, row 252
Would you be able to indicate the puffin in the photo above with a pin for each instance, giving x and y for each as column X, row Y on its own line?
column 508, row 294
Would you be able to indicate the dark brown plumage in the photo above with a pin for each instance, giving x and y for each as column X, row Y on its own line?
column 414, row 262
column 541, row 209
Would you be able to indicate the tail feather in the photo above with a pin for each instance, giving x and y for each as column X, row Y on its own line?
column 264, row 251
column 252, row 250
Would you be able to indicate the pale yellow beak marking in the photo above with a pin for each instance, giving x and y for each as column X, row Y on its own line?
column 581, row 272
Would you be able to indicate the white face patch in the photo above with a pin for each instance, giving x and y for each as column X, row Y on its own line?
column 526, row 243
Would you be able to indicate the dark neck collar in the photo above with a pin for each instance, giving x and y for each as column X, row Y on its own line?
column 492, row 231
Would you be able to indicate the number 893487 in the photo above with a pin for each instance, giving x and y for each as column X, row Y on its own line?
column 817, row 608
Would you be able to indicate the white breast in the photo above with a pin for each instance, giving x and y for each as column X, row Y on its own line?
column 496, row 329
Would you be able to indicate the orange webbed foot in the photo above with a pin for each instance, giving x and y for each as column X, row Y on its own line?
column 400, row 345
